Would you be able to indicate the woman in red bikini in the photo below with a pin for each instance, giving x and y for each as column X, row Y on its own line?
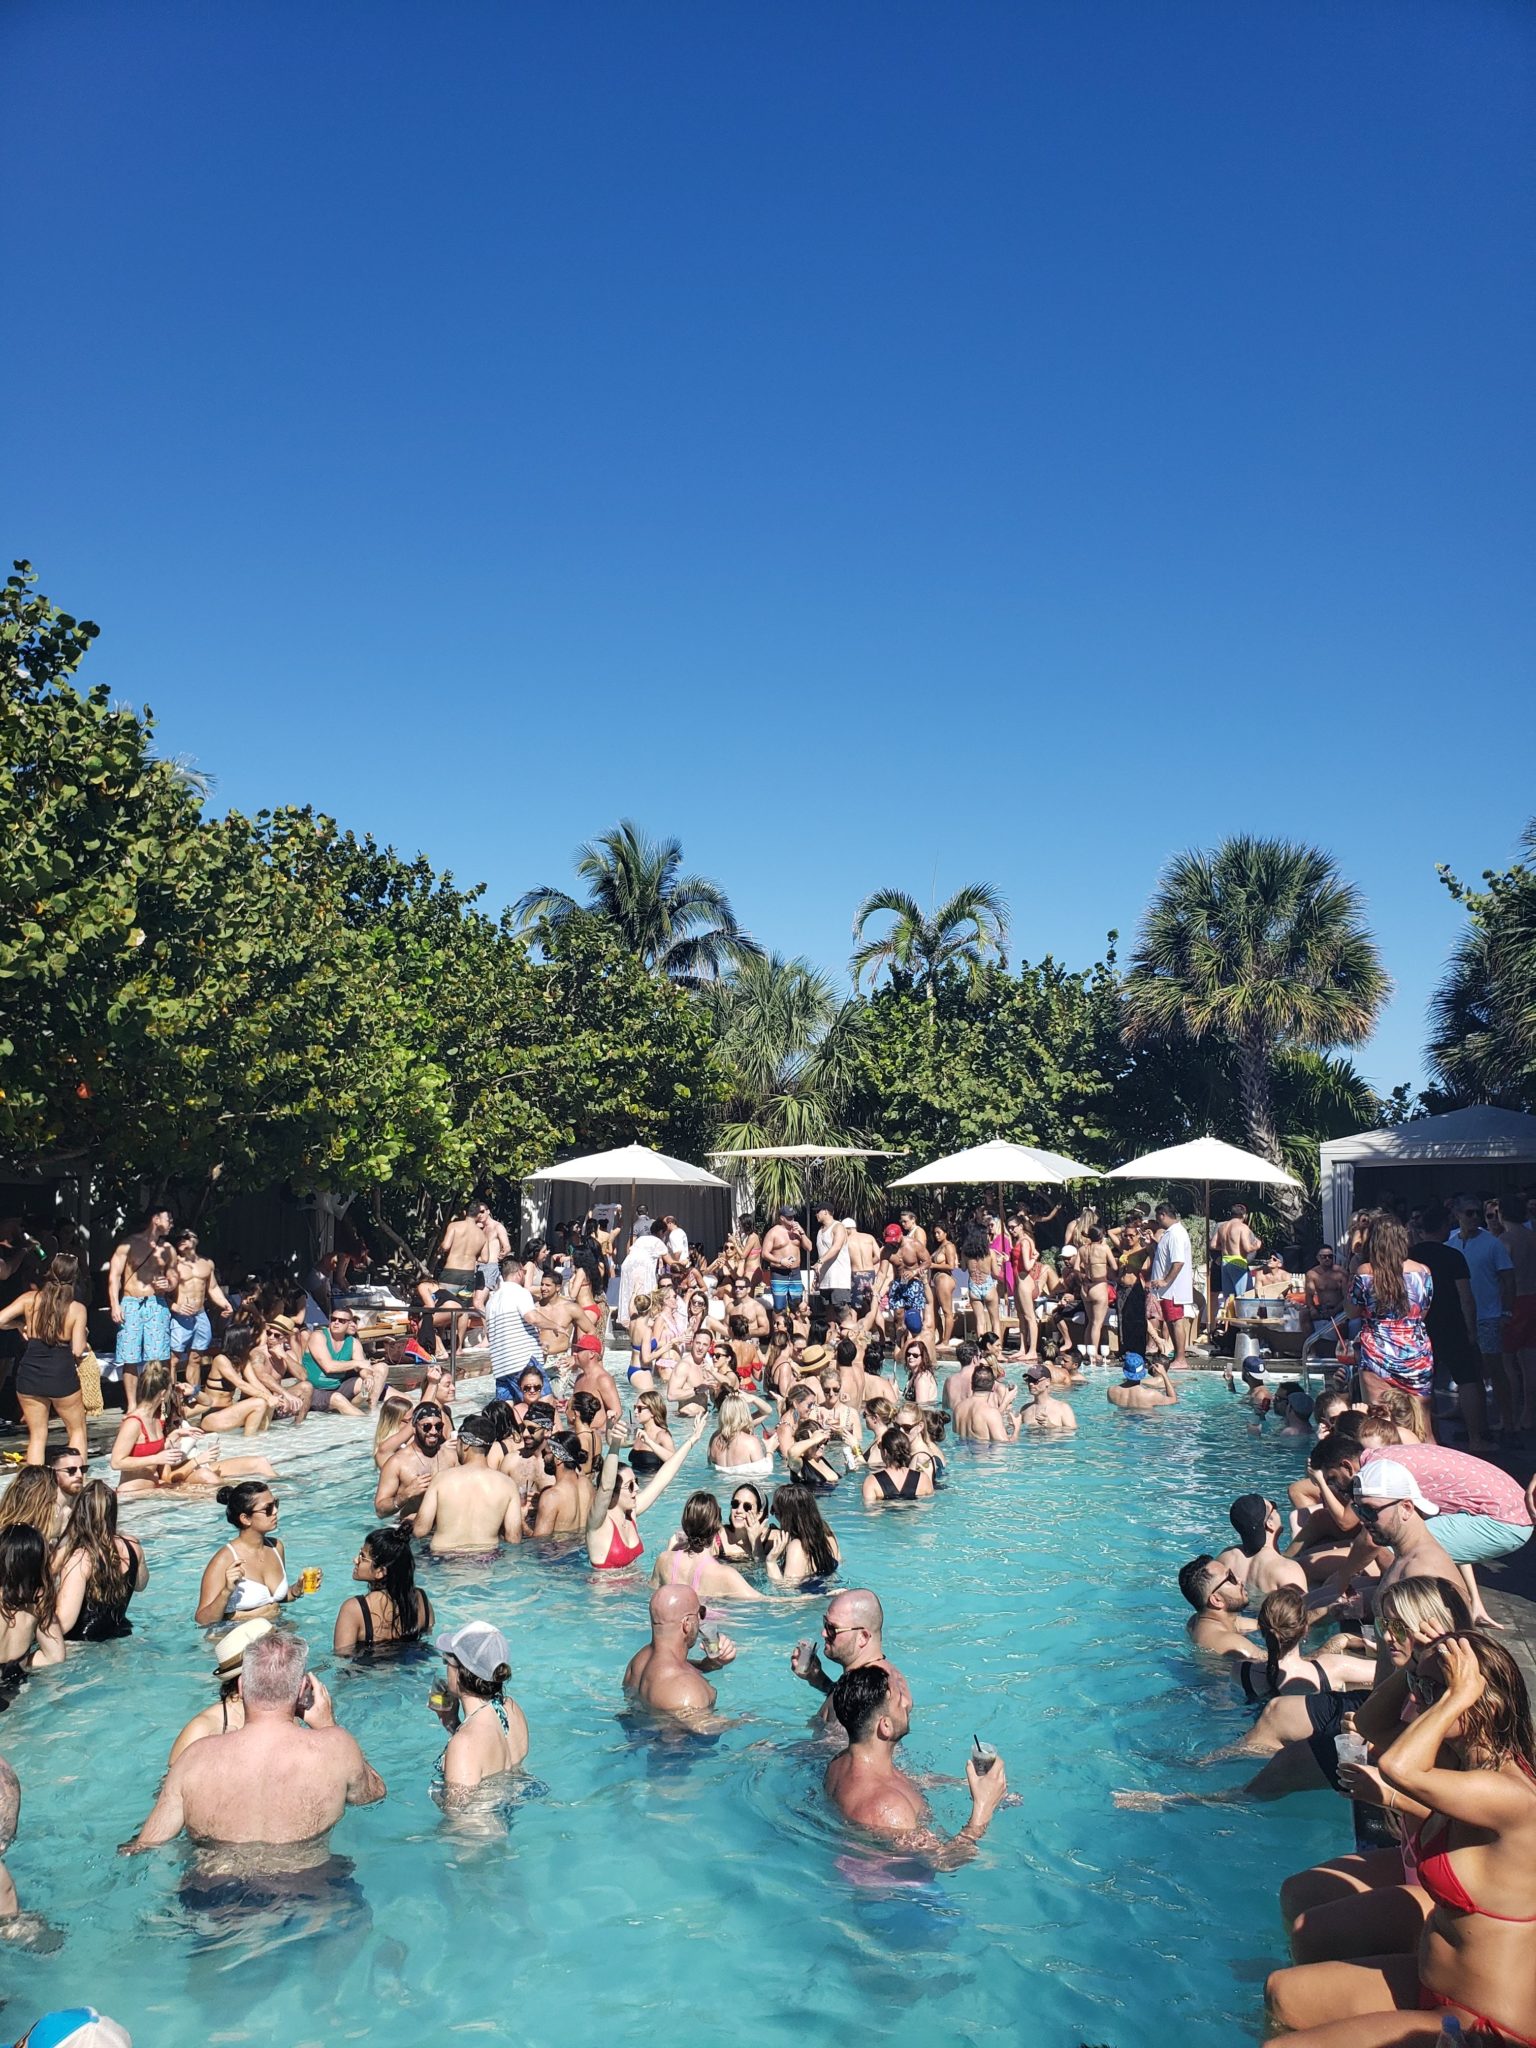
column 613, row 1535
column 1467, row 1759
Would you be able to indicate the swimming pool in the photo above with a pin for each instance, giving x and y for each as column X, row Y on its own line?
column 642, row 1884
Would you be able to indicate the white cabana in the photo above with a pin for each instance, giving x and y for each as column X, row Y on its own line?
column 1467, row 1151
column 699, row 1199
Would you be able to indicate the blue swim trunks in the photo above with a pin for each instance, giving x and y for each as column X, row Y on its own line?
column 144, row 1335
column 788, row 1291
column 190, row 1333
column 907, row 1294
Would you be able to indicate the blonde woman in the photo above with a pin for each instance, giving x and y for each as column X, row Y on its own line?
column 642, row 1344
column 735, row 1445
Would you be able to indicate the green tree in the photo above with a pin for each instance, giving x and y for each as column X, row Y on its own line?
column 89, row 820
column 1261, row 945
column 1033, row 1056
column 784, row 1049
column 1483, row 1018
column 680, row 925
column 961, row 932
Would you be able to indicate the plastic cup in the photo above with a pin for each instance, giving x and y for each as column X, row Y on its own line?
column 310, row 1579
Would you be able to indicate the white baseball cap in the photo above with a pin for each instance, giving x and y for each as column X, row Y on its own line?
column 1384, row 1479
column 480, row 1648
column 80, row 2026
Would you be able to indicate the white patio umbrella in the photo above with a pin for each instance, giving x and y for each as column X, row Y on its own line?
column 995, row 1164
column 638, row 1165
column 1205, row 1159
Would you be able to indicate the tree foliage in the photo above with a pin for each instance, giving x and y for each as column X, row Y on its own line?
column 922, row 947
column 1483, row 1018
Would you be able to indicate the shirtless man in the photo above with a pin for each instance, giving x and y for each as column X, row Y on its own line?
column 693, row 1375
column 1044, row 1410
column 593, row 1377
column 986, row 1417
column 906, row 1276
column 1325, row 1287
column 1255, row 1557
column 957, row 1388
column 565, row 1504
column 406, row 1476
column 1144, row 1386
column 557, row 1320
column 196, row 1285
column 1218, row 1597
column 1234, row 1243
column 459, row 1252
column 283, row 1779
column 139, row 1283
column 495, row 1245
column 467, row 1509
column 864, row 1261
column 1271, row 1282
column 866, row 1786
column 852, row 1635
column 661, row 1675
column 744, row 1303
column 785, row 1250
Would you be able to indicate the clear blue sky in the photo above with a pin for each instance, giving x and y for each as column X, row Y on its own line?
column 881, row 443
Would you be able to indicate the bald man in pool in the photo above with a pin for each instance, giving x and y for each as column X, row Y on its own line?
column 852, row 1635
column 662, row 1675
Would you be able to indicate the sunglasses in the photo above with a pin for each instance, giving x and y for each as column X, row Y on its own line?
column 266, row 1507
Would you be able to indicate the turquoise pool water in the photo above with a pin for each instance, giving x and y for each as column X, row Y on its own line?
column 647, row 1887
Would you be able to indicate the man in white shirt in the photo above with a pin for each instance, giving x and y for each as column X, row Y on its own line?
column 676, row 1239
column 1172, row 1278
column 833, row 1279
column 514, row 1340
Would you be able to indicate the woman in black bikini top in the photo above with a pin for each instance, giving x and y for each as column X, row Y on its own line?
column 394, row 1611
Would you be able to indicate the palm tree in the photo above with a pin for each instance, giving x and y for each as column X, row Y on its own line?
column 784, row 1048
column 1264, row 945
column 680, row 925
column 1483, row 1015
column 973, row 923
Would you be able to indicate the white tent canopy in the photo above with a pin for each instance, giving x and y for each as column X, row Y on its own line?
column 803, row 1152
column 996, row 1164
column 1478, row 1137
column 1204, row 1159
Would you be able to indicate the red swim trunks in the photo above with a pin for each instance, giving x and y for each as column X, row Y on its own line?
column 1173, row 1311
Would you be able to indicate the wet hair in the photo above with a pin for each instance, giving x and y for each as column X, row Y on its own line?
column 1282, row 1624
column 1386, row 1248
column 240, row 1500
column 896, row 1448
column 965, row 1354
column 26, row 1581
column 701, row 1522
column 54, row 1298
column 483, row 1688
column 654, row 1405
column 796, row 1512
column 567, row 1449
column 983, row 1380
column 500, row 1418
column 1192, row 1578
column 31, row 1497
column 847, row 1353
column 586, row 1408
column 736, row 1326
column 859, row 1697
column 92, row 1527
column 390, row 1551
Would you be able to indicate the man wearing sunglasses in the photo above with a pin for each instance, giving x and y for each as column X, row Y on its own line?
column 1218, row 1597
column 852, row 1635
column 407, row 1475
column 1394, row 1510
column 70, row 1470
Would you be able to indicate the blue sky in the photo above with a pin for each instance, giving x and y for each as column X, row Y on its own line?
column 880, row 443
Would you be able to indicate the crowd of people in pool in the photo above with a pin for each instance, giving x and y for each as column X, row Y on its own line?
column 1359, row 1638
column 815, row 1365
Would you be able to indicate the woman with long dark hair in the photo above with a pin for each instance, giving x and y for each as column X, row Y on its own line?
column 690, row 1559
column 802, row 1548
column 48, row 1376
column 29, row 1626
column 1392, row 1291
column 249, row 1575
column 102, row 1569
column 394, row 1609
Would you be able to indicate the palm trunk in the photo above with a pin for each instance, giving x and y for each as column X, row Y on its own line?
column 1253, row 1056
